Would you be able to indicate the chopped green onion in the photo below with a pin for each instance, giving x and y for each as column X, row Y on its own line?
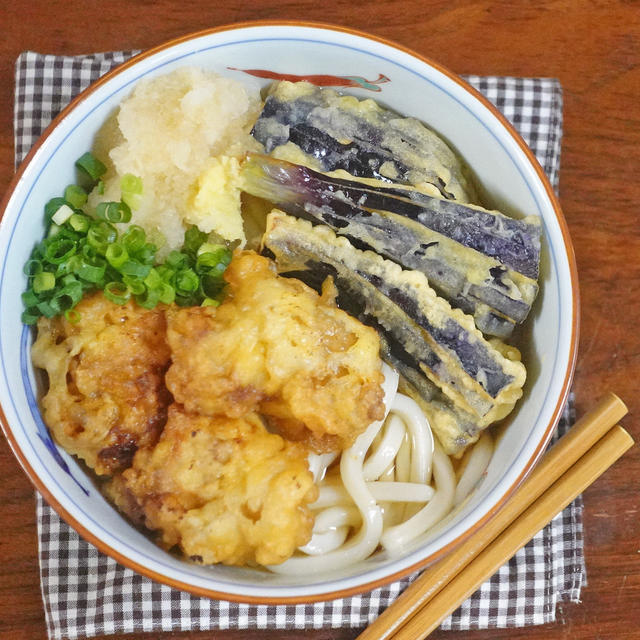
column 79, row 222
column 211, row 286
column 153, row 279
column 69, row 279
column 101, row 234
column 116, row 255
column 72, row 316
column 51, row 207
column 186, row 301
column 70, row 266
column 117, row 292
column 81, row 255
column 187, row 281
column 63, row 231
column 67, row 297
column 176, row 259
column 29, row 317
column 39, row 249
column 131, row 190
column 125, row 212
column 214, row 262
column 135, row 269
column 59, row 250
column 32, row 267
column 166, row 273
column 91, row 273
column 149, row 299
column 193, row 240
column 61, row 302
column 91, row 166
column 75, row 195
column 114, row 211
column 100, row 187
column 62, row 214
column 134, row 238
column 89, row 251
column 131, row 183
column 54, row 230
column 221, row 251
column 147, row 253
column 46, row 309
column 29, row 298
column 134, row 285
column 44, row 281
column 166, row 293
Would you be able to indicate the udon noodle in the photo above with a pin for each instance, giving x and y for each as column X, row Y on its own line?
column 390, row 487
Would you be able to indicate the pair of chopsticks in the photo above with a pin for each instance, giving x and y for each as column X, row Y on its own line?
column 582, row 455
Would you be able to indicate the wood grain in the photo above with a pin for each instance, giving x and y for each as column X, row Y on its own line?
column 593, row 47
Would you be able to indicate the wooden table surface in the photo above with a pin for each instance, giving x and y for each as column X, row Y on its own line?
column 593, row 47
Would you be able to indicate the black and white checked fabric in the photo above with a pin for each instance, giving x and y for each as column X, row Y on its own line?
column 86, row 593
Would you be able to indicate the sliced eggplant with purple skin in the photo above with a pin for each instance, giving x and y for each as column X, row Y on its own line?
column 456, row 428
column 341, row 132
column 464, row 251
column 420, row 330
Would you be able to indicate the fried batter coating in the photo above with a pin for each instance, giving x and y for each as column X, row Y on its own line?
column 106, row 393
column 275, row 346
column 223, row 489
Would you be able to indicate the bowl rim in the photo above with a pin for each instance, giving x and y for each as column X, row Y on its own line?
column 555, row 416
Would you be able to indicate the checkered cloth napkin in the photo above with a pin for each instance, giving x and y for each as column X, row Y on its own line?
column 86, row 593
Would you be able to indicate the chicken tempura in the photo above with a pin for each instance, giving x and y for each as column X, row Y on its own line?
column 223, row 489
column 106, row 392
column 277, row 347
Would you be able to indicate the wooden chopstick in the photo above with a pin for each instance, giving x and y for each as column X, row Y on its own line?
column 573, row 482
column 574, row 444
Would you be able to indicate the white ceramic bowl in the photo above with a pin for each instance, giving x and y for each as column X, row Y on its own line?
column 500, row 160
